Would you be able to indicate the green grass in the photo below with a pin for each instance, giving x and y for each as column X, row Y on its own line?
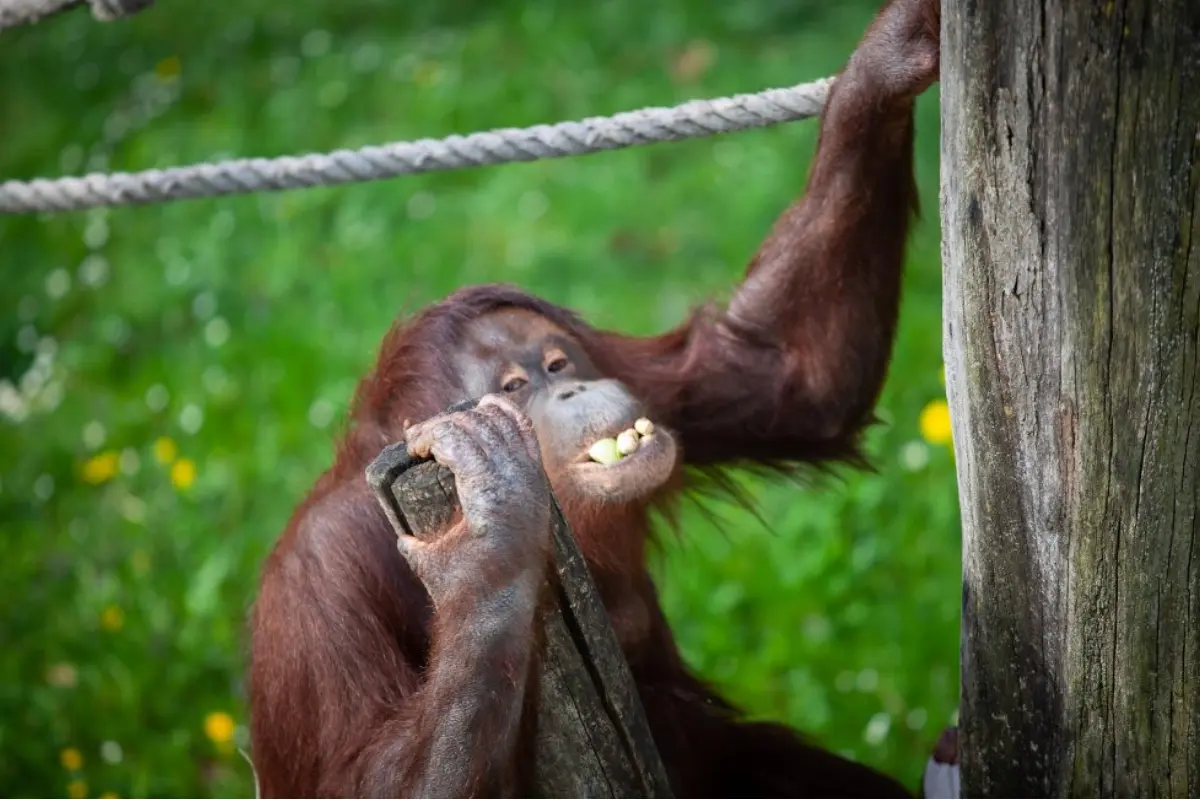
column 236, row 329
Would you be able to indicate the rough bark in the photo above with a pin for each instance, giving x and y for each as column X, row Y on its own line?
column 593, row 739
column 1070, row 175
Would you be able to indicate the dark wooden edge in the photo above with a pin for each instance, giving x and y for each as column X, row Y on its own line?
column 383, row 473
column 591, row 630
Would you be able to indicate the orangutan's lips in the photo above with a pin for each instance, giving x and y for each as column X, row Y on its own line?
column 612, row 449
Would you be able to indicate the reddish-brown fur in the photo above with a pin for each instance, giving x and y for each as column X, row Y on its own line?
column 342, row 628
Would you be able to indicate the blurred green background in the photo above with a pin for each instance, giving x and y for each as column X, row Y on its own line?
column 172, row 377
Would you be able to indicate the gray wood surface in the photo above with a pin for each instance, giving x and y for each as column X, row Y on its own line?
column 1071, row 236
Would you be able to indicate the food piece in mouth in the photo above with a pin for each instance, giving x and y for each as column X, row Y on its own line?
column 605, row 451
column 613, row 449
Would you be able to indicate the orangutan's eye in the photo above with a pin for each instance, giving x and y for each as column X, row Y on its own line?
column 514, row 384
column 557, row 365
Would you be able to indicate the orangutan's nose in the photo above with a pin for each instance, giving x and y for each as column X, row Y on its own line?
column 569, row 391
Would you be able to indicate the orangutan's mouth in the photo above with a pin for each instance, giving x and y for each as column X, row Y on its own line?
column 624, row 445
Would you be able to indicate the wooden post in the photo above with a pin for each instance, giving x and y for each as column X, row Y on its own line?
column 1071, row 223
column 593, row 737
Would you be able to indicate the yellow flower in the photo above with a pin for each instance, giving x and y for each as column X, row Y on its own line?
column 77, row 789
column 164, row 450
column 935, row 422
column 168, row 68
column 71, row 759
column 112, row 618
column 101, row 467
column 183, row 473
column 219, row 726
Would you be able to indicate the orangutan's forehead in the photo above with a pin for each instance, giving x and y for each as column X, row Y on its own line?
column 506, row 331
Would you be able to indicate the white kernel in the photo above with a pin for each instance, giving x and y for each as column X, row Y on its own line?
column 627, row 442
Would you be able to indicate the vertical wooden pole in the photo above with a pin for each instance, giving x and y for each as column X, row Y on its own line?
column 1070, row 175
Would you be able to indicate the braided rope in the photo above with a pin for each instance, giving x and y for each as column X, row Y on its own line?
column 697, row 118
column 25, row 12
column 108, row 10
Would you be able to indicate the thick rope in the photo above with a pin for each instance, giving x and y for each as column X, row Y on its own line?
column 25, row 12
column 694, row 119
column 108, row 10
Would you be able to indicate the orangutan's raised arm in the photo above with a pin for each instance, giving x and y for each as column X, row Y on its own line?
column 792, row 368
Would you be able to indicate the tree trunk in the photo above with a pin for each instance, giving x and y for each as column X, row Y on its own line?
column 1070, row 175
